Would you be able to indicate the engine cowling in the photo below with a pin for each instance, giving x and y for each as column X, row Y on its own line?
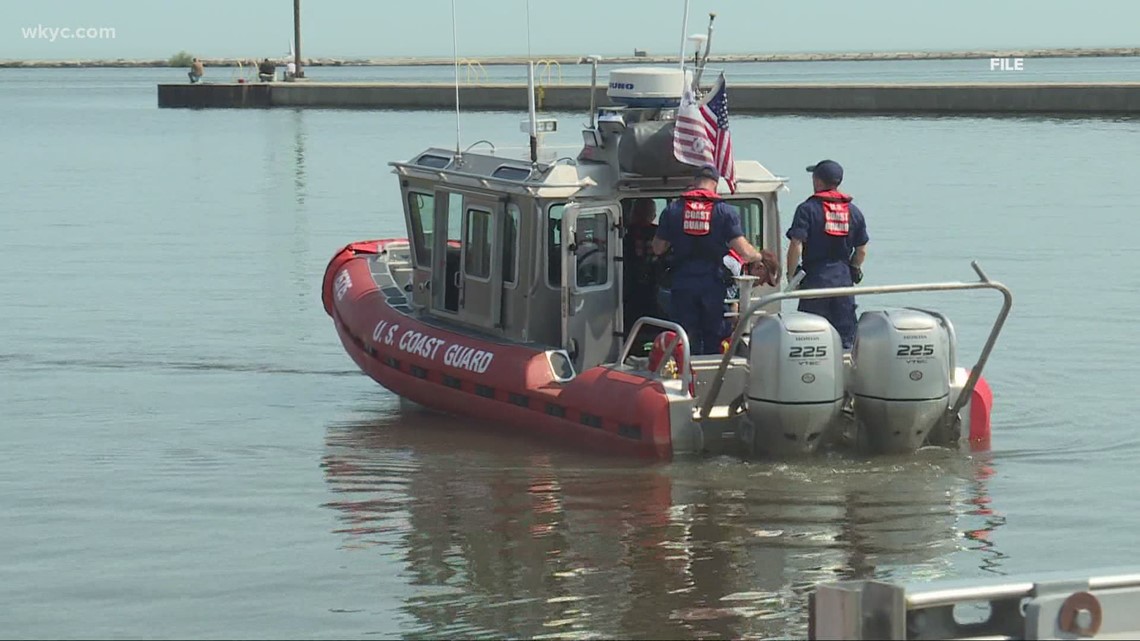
column 795, row 383
column 900, row 378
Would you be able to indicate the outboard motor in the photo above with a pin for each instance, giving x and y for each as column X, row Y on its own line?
column 795, row 384
column 900, row 379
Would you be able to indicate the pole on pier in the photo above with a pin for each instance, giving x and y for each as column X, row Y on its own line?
column 299, row 73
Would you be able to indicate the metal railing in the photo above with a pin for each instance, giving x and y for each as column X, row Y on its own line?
column 474, row 69
column 528, row 185
column 686, row 354
column 756, row 306
column 547, row 78
column 1043, row 606
column 745, row 283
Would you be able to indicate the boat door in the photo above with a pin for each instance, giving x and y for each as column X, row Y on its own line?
column 481, row 262
column 468, row 274
column 591, row 302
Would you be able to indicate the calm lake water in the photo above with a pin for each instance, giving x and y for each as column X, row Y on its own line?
column 189, row 452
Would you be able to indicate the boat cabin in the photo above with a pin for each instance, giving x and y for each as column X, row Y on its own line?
column 535, row 254
column 534, row 251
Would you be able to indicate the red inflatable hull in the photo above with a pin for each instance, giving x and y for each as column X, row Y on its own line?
column 496, row 381
column 506, row 383
column 981, row 403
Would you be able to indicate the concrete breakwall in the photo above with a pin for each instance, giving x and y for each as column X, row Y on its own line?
column 227, row 95
column 946, row 99
column 671, row 58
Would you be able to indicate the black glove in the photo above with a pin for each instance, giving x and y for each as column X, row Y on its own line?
column 856, row 274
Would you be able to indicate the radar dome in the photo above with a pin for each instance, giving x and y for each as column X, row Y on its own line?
column 648, row 87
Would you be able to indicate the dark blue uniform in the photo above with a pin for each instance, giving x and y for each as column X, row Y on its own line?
column 828, row 243
column 699, row 234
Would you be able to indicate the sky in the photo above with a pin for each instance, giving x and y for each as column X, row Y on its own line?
column 149, row 29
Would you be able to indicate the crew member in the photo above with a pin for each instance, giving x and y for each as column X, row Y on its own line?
column 831, row 235
column 700, row 228
column 640, row 284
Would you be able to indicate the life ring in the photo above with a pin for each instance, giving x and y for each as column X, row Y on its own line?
column 657, row 354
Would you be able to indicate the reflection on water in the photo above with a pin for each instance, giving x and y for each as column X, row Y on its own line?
column 500, row 537
column 299, row 135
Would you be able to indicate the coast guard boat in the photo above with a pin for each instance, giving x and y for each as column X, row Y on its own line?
column 505, row 303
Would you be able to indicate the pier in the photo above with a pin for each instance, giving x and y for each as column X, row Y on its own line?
column 1116, row 98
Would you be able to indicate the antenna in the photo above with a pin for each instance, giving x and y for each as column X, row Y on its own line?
column 528, row 30
column 593, row 60
column 684, row 35
column 684, row 32
column 533, row 126
column 702, row 61
column 455, row 57
column 530, row 109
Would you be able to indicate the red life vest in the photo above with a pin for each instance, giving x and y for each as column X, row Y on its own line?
column 836, row 212
column 696, row 217
column 657, row 354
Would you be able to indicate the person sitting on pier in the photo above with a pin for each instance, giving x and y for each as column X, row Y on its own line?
column 266, row 70
column 197, row 70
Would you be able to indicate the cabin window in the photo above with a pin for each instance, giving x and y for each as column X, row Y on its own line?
column 421, row 210
column 510, row 243
column 591, row 250
column 449, row 264
column 554, row 245
column 512, row 173
column 436, row 162
column 751, row 212
column 454, row 219
column 477, row 262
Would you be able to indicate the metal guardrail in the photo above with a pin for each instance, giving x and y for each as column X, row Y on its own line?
column 528, row 185
column 1044, row 606
column 686, row 353
column 756, row 306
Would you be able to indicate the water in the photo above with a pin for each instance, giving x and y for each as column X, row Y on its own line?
column 190, row 453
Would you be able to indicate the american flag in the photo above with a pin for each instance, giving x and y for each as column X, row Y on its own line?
column 700, row 135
